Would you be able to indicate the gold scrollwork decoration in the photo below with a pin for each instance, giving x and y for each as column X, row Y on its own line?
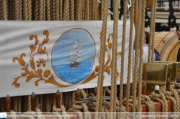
column 38, row 73
column 108, row 62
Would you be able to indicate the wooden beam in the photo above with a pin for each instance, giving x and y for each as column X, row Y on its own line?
column 33, row 101
column 78, row 95
column 58, row 99
column 8, row 103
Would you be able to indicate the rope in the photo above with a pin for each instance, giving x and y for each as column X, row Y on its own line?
column 51, row 9
column 69, row 100
column 12, row 104
column 79, row 10
column 87, row 104
column 142, row 19
column 15, row 104
column 95, row 8
column 25, row 103
column 86, row 91
column 13, row 113
column 54, row 9
column 130, row 54
column 59, row 116
column 5, row 11
column 29, row 113
column 25, row 10
column 40, row 10
column 114, row 58
column 132, row 102
column 11, row 10
column 91, row 10
column 150, row 104
column 86, row 10
column 47, row 103
column 56, row 109
column 57, row 9
column 66, row 10
column 72, row 9
column 83, row 93
column 134, row 86
column 173, row 96
column 64, row 111
column 51, row 101
column 83, row 8
column 66, row 99
column 48, row 10
column 41, row 102
column 44, row 10
column 101, row 60
column 40, row 116
column 16, row 9
column 2, row 104
column 54, row 100
column 19, row 104
column 29, row 102
column 36, row 9
column 1, row 10
column 60, row 10
column 102, row 7
column 20, row 10
column 103, row 114
column 37, row 101
column 161, row 98
column 29, row 9
column 44, row 103
column 123, row 53
column 87, row 115
column 78, row 112
column 73, row 97
column 153, row 30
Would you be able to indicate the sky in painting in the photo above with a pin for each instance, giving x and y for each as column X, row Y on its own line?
column 65, row 44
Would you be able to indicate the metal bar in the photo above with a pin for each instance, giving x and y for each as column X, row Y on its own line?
column 123, row 111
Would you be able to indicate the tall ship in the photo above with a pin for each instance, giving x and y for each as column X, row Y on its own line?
column 155, row 90
column 75, row 55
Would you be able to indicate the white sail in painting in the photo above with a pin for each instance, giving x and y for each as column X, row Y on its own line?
column 75, row 55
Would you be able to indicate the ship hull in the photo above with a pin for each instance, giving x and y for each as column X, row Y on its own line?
column 74, row 65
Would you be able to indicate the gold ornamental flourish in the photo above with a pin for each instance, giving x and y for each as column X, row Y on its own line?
column 107, row 68
column 36, row 73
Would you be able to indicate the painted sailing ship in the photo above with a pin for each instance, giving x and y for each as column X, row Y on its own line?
column 75, row 55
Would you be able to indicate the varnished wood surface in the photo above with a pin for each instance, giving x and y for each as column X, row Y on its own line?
column 144, row 88
column 148, row 92
column 167, row 44
column 78, row 95
column 58, row 99
column 8, row 103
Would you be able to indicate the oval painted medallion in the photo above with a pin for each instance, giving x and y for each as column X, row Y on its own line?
column 73, row 55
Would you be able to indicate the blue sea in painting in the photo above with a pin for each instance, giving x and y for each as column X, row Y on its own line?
column 75, row 46
column 73, row 75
